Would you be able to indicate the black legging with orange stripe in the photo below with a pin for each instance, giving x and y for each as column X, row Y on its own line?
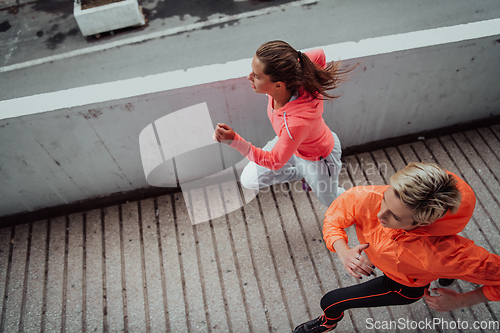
column 380, row 291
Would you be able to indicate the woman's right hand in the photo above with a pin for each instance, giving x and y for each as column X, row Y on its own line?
column 355, row 263
column 224, row 134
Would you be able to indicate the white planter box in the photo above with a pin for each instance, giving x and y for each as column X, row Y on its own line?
column 110, row 17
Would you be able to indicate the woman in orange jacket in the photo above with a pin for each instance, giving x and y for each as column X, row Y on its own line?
column 408, row 230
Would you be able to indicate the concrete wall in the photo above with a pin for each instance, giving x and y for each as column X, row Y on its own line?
column 83, row 143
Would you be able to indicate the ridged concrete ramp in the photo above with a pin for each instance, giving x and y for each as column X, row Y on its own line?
column 143, row 267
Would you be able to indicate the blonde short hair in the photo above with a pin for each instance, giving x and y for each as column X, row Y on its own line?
column 428, row 190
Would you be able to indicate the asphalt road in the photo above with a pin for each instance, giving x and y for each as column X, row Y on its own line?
column 42, row 49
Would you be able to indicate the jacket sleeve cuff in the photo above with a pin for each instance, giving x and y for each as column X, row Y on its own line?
column 333, row 239
column 492, row 292
column 240, row 145
column 235, row 140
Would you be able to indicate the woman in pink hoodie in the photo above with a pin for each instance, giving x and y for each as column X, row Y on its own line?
column 304, row 147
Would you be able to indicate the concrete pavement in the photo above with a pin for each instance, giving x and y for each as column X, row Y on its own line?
column 143, row 267
column 43, row 50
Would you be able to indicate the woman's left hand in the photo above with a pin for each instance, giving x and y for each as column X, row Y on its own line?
column 224, row 133
column 448, row 299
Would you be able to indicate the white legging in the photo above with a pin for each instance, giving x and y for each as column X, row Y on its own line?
column 322, row 177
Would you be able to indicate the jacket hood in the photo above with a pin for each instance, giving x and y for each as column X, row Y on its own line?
column 451, row 224
column 305, row 106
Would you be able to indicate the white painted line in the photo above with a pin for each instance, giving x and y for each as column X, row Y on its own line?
column 117, row 90
column 412, row 40
column 155, row 35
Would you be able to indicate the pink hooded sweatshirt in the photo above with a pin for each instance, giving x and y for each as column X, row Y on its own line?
column 299, row 126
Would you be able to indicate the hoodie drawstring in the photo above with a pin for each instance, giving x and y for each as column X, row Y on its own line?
column 327, row 165
column 286, row 126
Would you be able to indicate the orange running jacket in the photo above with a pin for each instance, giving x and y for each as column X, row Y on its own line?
column 417, row 257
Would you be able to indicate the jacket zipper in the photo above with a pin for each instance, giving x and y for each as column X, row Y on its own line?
column 396, row 238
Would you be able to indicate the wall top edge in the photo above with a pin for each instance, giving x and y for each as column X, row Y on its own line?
column 121, row 89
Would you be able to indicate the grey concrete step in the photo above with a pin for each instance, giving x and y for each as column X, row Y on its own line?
column 143, row 267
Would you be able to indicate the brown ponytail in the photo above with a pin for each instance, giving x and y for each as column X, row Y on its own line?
column 283, row 63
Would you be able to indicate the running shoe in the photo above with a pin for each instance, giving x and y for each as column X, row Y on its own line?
column 305, row 186
column 317, row 325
